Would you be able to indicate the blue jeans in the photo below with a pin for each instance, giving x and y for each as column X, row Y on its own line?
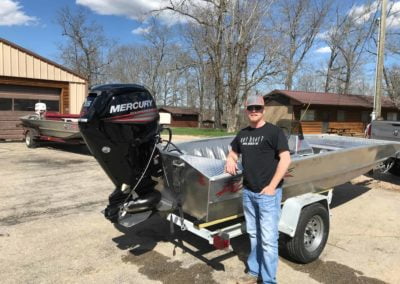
column 262, row 213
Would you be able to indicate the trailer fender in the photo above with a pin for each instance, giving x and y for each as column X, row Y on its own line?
column 292, row 207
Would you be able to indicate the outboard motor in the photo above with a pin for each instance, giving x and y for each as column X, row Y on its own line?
column 40, row 109
column 120, row 125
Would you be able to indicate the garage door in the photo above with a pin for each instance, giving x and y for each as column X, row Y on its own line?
column 17, row 101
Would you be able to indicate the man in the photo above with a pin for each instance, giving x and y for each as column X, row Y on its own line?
column 367, row 131
column 265, row 159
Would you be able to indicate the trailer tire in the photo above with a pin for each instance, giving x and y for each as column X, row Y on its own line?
column 30, row 139
column 311, row 234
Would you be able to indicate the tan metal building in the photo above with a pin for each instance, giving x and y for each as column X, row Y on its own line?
column 27, row 78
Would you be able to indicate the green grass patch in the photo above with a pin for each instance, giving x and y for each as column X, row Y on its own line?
column 208, row 132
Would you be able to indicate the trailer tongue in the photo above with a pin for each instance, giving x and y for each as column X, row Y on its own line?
column 120, row 124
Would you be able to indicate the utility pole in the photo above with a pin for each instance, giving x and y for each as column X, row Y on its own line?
column 379, row 62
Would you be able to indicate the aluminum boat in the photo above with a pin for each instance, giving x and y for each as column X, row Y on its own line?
column 187, row 184
column 62, row 126
column 319, row 162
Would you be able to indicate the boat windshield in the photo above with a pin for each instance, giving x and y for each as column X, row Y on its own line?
column 291, row 127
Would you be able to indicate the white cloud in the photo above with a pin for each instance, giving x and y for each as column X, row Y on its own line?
column 138, row 10
column 325, row 49
column 11, row 14
column 363, row 13
column 393, row 19
column 142, row 30
column 322, row 35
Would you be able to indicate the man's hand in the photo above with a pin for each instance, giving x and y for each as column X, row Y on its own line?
column 268, row 190
column 281, row 169
column 231, row 166
column 231, row 163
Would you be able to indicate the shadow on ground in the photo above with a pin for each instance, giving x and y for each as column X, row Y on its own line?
column 348, row 191
column 332, row 272
column 386, row 177
column 141, row 240
column 72, row 148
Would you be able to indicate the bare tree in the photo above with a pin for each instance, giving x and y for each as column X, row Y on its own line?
column 156, row 52
column 86, row 48
column 263, row 63
column 392, row 73
column 126, row 63
column 151, row 64
column 245, row 33
column 229, row 30
column 393, row 33
column 348, row 39
column 393, row 39
column 210, row 16
column 392, row 80
column 298, row 23
column 200, row 64
column 356, row 34
column 310, row 80
column 334, row 38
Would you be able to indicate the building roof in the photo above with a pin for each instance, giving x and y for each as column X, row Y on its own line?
column 179, row 110
column 319, row 98
column 41, row 57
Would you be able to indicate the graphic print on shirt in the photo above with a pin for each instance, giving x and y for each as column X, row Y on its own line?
column 251, row 141
column 259, row 149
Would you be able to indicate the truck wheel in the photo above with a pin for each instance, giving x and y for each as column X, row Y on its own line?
column 395, row 170
column 311, row 234
column 30, row 139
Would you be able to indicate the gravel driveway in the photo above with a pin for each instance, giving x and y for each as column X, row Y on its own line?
column 52, row 231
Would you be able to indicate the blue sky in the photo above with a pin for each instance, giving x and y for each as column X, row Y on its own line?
column 41, row 34
column 31, row 23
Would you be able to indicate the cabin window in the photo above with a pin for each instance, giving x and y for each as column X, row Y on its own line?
column 325, row 116
column 24, row 105
column 391, row 116
column 308, row 115
column 341, row 115
column 365, row 116
column 5, row 104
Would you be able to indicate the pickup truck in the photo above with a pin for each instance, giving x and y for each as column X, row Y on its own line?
column 386, row 130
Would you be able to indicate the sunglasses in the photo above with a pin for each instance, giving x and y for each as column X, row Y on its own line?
column 254, row 108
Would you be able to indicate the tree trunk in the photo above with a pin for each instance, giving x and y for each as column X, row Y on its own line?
column 232, row 120
column 329, row 72
column 289, row 78
column 219, row 111
column 347, row 81
column 200, row 85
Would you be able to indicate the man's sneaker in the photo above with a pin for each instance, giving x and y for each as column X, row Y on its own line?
column 247, row 279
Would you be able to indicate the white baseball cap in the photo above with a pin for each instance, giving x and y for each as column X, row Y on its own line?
column 255, row 101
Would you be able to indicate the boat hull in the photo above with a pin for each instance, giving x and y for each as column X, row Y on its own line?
column 66, row 130
column 209, row 194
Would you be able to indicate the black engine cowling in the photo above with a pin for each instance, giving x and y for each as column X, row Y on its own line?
column 119, row 123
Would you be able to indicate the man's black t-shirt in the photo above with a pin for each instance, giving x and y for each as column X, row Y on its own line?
column 259, row 148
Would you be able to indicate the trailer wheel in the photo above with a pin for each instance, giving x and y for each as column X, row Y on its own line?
column 30, row 139
column 311, row 234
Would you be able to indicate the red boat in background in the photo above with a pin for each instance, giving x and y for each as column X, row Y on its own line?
column 50, row 126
